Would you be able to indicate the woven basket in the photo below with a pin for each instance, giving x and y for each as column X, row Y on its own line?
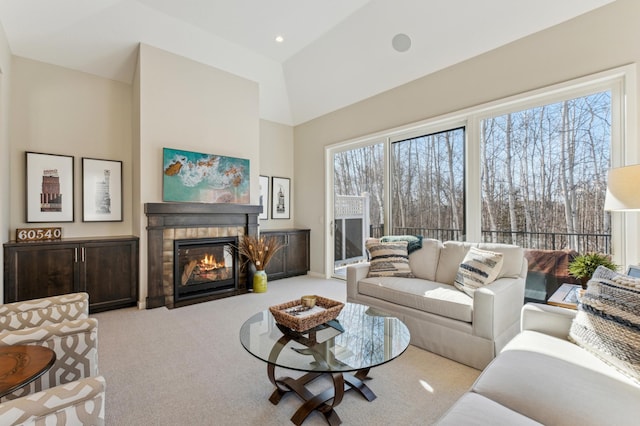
column 331, row 310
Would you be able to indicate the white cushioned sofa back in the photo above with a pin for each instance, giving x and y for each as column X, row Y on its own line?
column 453, row 252
column 424, row 262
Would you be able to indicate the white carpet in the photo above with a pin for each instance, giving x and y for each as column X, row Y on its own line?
column 187, row 366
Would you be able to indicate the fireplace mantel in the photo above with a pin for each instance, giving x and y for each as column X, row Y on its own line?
column 167, row 222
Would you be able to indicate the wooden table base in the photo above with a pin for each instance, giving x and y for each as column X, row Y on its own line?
column 342, row 382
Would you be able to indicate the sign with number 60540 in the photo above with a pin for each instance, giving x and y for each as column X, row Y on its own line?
column 38, row 234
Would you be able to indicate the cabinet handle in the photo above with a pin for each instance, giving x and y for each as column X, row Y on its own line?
column 75, row 255
column 82, row 254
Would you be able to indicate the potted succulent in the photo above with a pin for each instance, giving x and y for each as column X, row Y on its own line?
column 583, row 266
column 258, row 251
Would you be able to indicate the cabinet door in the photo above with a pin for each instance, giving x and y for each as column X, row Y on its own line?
column 41, row 271
column 277, row 267
column 110, row 274
column 298, row 253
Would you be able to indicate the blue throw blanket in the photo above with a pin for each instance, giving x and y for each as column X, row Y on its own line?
column 414, row 242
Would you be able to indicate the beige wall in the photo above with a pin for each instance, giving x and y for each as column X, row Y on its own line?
column 603, row 39
column 55, row 110
column 276, row 159
column 5, row 166
column 190, row 106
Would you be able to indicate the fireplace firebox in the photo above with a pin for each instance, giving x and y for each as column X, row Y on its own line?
column 204, row 266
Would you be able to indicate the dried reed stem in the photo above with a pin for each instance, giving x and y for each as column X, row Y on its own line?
column 258, row 250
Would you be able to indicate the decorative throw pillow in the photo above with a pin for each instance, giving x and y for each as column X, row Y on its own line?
column 478, row 268
column 388, row 259
column 608, row 321
column 414, row 241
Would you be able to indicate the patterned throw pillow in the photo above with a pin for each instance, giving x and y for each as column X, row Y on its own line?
column 388, row 259
column 608, row 321
column 478, row 268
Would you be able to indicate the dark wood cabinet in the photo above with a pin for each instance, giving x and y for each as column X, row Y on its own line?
column 105, row 267
column 293, row 258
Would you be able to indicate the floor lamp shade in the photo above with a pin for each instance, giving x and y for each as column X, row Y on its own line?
column 623, row 189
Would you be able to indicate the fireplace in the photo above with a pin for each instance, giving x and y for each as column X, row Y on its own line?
column 204, row 266
column 174, row 223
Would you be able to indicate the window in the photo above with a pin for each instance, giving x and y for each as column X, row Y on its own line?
column 544, row 175
column 529, row 170
column 427, row 187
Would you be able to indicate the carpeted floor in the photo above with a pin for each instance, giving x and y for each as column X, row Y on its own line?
column 187, row 366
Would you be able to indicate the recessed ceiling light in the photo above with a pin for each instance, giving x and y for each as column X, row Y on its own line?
column 279, row 39
column 401, row 42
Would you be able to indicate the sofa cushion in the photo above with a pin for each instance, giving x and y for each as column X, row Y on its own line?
column 477, row 269
column 427, row 296
column 608, row 320
column 553, row 381
column 388, row 259
column 453, row 252
column 424, row 262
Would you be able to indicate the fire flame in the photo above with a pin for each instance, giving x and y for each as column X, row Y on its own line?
column 209, row 262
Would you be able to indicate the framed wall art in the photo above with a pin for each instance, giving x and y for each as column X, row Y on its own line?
column 280, row 198
column 49, row 187
column 204, row 178
column 264, row 197
column 101, row 190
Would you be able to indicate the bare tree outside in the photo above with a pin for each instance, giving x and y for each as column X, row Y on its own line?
column 544, row 175
column 427, row 189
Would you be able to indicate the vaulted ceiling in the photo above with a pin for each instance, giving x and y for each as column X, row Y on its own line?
column 334, row 52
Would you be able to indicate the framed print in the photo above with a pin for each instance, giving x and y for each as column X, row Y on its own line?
column 49, row 187
column 101, row 190
column 204, row 178
column 280, row 198
column 264, row 197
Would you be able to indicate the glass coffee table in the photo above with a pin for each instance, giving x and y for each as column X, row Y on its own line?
column 344, row 349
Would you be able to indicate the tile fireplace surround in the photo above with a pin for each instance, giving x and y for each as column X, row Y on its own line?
column 167, row 222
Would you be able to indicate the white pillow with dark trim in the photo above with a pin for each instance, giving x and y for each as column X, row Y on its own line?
column 478, row 268
column 389, row 259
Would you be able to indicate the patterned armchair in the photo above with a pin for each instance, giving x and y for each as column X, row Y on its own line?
column 72, row 386
column 80, row 402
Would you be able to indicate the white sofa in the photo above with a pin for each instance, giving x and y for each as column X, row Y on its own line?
column 540, row 377
column 441, row 318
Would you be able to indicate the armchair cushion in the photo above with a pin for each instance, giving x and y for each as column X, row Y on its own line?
column 77, row 402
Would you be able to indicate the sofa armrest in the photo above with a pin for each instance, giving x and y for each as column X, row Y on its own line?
column 497, row 306
column 552, row 320
column 44, row 311
column 78, row 402
column 354, row 274
column 75, row 344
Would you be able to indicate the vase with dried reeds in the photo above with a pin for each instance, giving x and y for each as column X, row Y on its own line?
column 258, row 251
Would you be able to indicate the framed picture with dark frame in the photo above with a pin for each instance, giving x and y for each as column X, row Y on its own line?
column 49, row 187
column 101, row 190
column 280, row 198
column 264, row 197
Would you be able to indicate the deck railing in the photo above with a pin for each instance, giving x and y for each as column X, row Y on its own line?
column 582, row 243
